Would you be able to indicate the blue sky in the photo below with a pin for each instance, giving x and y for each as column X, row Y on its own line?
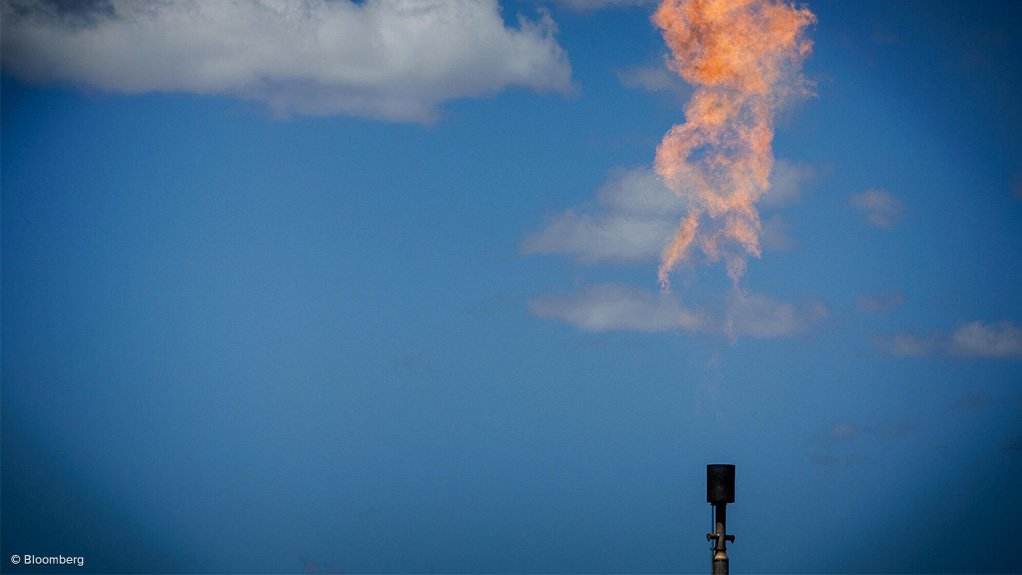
column 373, row 288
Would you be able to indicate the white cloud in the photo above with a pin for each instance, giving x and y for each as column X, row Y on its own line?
column 610, row 307
column 652, row 79
column 613, row 307
column 787, row 180
column 975, row 339
column 880, row 207
column 635, row 216
column 632, row 218
column 758, row 316
column 391, row 59
column 594, row 238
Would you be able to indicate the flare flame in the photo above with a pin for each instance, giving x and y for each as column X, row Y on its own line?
column 744, row 58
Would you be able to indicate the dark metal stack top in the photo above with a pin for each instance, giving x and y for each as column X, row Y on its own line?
column 720, row 484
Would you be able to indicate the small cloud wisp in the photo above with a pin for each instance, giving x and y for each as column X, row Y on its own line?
column 997, row 340
column 879, row 207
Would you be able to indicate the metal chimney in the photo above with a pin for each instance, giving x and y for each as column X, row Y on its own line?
column 720, row 490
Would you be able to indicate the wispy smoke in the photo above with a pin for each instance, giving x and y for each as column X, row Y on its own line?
column 744, row 58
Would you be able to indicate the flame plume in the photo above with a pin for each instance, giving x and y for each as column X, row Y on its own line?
column 744, row 58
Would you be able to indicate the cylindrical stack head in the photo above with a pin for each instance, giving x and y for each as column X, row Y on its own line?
column 720, row 484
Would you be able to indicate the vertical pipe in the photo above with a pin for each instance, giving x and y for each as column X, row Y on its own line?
column 720, row 562
column 720, row 490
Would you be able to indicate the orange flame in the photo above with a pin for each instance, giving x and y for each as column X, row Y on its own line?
column 744, row 57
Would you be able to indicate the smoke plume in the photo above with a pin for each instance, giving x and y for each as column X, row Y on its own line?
column 744, row 59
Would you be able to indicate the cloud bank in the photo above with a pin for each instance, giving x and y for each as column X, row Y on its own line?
column 632, row 218
column 379, row 58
